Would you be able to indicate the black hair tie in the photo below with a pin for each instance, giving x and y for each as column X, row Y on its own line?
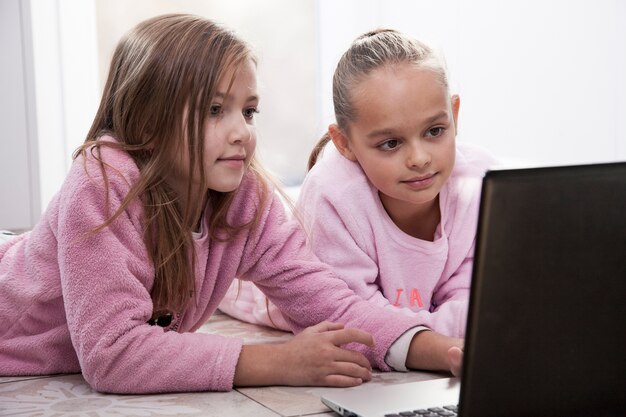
column 162, row 321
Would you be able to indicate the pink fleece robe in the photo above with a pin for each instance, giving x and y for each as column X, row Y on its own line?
column 351, row 231
column 71, row 301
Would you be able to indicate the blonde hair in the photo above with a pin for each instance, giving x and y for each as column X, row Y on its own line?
column 162, row 79
column 368, row 52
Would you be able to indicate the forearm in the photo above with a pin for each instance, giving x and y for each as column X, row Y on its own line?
column 429, row 351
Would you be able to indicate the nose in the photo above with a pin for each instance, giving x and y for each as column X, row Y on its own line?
column 418, row 156
column 240, row 130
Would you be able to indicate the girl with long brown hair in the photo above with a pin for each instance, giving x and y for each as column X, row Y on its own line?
column 163, row 206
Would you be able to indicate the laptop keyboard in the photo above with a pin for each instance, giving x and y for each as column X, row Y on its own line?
column 448, row 410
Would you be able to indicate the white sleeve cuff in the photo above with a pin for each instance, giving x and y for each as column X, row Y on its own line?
column 399, row 350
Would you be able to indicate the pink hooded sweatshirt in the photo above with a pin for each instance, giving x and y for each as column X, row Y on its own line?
column 71, row 301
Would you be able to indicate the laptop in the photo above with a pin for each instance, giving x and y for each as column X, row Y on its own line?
column 546, row 328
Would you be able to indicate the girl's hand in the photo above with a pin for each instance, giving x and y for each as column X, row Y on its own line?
column 435, row 352
column 455, row 360
column 312, row 358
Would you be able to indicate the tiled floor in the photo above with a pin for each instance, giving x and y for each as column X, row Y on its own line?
column 70, row 395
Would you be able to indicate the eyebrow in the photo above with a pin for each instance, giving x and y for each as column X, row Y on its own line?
column 219, row 94
column 390, row 131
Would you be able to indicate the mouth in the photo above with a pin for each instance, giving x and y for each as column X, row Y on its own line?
column 421, row 181
column 234, row 161
column 233, row 158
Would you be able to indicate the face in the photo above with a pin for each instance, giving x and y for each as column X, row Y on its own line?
column 403, row 136
column 229, row 131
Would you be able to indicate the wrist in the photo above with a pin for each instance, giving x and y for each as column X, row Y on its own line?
column 429, row 351
column 257, row 366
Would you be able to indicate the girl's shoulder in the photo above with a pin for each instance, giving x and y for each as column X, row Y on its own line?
column 98, row 162
column 335, row 176
column 463, row 189
column 472, row 161
column 256, row 199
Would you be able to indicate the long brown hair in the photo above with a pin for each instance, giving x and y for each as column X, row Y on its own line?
column 368, row 52
column 162, row 79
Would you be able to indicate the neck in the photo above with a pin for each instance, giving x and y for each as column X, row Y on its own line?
column 417, row 220
column 183, row 200
column 198, row 223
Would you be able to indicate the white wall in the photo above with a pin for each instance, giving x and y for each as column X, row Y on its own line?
column 19, row 185
column 66, row 83
column 541, row 82
column 49, row 85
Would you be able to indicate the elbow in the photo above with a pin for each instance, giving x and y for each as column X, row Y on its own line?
column 112, row 376
column 100, row 378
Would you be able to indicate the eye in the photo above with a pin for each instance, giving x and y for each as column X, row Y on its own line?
column 435, row 131
column 215, row 110
column 389, row 144
column 250, row 112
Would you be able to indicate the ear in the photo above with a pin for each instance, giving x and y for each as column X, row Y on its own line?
column 456, row 103
column 341, row 141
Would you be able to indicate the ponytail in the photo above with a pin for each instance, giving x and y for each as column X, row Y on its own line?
column 317, row 149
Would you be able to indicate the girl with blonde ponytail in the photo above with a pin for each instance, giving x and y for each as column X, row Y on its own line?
column 392, row 205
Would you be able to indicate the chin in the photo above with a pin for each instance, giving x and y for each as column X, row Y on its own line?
column 224, row 187
column 422, row 199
